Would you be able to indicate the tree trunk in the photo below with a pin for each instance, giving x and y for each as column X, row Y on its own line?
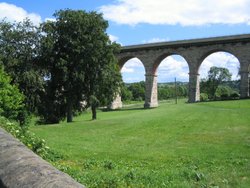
column 93, row 109
column 69, row 112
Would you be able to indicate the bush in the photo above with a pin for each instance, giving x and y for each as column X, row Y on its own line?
column 224, row 96
column 223, row 92
column 11, row 100
column 29, row 139
column 204, row 97
column 235, row 95
column 137, row 90
column 126, row 94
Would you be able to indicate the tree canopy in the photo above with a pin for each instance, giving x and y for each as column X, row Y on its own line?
column 11, row 100
column 80, row 63
column 19, row 52
column 216, row 76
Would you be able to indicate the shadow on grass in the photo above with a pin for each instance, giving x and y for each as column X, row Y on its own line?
column 124, row 109
column 220, row 100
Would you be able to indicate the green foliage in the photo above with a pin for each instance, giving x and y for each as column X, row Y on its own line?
column 235, row 95
column 223, row 92
column 219, row 74
column 53, row 107
column 137, row 90
column 11, row 100
column 80, row 63
column 19, row 47
column 167, row 91
column 126, row 94
column 203, row 97
column 29, row 139
column 216, row 76
column 183, row 145
column 34, row 143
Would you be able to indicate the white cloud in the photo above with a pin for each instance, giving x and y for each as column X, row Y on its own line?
column 113, row 38
column 13, row 13
column 127, row 70
column 132, row 79
column 154, row 40
column 50, row 19
column 133, row 71
column 134, row 62
column 173, row 67
column 220, row 59
column 184, row 12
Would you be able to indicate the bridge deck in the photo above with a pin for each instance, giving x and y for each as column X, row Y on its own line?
column 188, row 43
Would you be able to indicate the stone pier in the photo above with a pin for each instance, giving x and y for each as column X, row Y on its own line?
column 151, row 96
column 244, row 84
column 193, row 88
column 117, row 103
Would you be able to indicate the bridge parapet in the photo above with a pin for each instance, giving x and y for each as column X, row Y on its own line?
column 20, row 167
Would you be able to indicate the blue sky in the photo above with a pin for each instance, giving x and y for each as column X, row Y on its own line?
column 144, row 21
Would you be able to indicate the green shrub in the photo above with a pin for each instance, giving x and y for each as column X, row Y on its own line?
column 223, row 92
column 235, row 95
column 224, row 96
column 33, row 142
column 11, row 100
column 203, row 97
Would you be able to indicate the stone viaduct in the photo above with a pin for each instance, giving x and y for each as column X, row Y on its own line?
column 194, row 52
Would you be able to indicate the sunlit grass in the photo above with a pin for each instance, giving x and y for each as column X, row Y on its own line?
column 174, row 145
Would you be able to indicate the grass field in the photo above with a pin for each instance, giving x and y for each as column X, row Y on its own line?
column 183, row 145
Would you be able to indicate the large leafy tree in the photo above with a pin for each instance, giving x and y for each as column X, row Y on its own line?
column 19, row 52
column 81, row 65
column 216, row 76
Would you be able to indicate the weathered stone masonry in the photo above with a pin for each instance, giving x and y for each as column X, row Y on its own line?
column 194, row 52
column 21, row 168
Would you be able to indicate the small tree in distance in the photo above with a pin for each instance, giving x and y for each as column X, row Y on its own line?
column 216, row 76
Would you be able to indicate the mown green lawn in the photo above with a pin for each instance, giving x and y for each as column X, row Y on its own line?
column 183, row 145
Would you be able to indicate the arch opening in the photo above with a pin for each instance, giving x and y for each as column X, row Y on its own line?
column 133, row 75
column 220, row 78
column 171, row 68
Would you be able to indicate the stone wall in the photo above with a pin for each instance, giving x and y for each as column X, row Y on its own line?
column 20, row 167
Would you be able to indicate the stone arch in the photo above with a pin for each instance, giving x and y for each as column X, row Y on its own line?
column 136, row 66
column 211, row 52
column 233, row 66
column 117, row 102
column 122, row 61
column 151, row 99
column 161, row 57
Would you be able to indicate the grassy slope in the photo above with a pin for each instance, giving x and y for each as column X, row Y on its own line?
column 183, row 145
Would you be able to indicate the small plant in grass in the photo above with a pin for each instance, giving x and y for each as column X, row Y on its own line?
column 109, row 165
